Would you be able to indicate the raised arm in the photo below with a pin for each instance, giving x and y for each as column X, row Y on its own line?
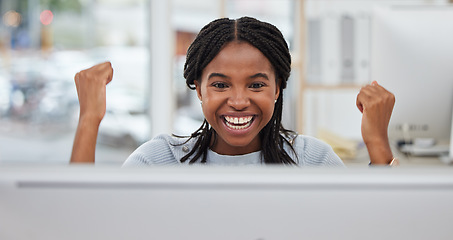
column 91, row 86
column 376, row 105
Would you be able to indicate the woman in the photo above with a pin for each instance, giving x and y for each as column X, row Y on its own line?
column 239, row 69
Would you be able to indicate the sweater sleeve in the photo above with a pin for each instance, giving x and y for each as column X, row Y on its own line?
column 156, row 151
column 313, row 152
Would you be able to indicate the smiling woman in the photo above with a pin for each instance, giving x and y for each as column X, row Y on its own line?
column 239, row 69
column 238, row 90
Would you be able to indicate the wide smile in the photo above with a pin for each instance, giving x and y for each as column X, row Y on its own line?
column 238, row 123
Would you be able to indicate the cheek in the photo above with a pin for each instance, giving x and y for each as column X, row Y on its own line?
column 269, row 111
column 268, row 104
column 210, row 105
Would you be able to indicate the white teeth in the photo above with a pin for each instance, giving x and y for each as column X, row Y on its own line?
column 238, row 120
column 236, row 127
column 232, row 122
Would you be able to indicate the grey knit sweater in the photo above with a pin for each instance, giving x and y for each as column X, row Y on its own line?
column 168, row 150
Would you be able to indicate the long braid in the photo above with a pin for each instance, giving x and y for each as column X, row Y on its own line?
column 204, row 134
column 270, row 41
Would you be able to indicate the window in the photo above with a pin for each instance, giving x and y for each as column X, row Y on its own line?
column 43, row 44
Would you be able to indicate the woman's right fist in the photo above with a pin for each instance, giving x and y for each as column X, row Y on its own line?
column 91, row 86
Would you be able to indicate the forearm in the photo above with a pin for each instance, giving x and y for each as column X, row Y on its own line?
column 91, row 87
column 380, row 152
column 84, row 147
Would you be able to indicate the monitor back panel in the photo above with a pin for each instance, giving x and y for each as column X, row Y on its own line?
column 211, row 203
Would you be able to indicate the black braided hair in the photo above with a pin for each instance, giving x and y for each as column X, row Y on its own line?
column 269, row 40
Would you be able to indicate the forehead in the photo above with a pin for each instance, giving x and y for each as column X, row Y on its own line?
column 239, row 57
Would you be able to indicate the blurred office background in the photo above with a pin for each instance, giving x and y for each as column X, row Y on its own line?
column 44, row 43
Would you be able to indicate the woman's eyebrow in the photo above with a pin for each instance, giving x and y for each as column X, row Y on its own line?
column 217, row 75
column 260, row 75
column 221, row 75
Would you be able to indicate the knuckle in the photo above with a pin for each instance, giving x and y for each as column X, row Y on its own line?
column 391, row 97
column 82, row 73
column 106, row 65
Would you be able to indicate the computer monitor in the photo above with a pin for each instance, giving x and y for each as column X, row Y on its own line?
column 225, row 203
column 412, row 56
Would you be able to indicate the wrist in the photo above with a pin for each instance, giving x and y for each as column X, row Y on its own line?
column 89, row 120
column 380, row 152
column 393, row 162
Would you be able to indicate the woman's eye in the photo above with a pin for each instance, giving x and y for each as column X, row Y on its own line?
column 257, row 85
column 220, row 85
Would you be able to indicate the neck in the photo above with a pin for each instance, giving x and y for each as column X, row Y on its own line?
column 222, row 147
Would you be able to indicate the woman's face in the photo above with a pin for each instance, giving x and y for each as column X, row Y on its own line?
column 238, row 90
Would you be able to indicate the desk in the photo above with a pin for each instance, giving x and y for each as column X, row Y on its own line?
column 362, row 159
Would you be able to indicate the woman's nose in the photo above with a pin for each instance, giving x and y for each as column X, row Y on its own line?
column 239, row 99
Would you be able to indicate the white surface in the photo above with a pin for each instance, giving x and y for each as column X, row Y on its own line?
column 451, row 137
column 225, row 203
column 161, row 99
column 436, row 150
column 412, row 52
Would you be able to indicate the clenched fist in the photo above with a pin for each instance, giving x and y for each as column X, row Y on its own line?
column 91, row 87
